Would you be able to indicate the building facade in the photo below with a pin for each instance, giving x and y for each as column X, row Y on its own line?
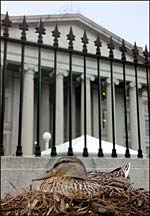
column 79, row 23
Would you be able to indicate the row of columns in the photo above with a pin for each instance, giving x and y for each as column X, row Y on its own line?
column 133, row 113
column 28, row 109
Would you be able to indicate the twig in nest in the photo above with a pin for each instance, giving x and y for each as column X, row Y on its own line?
column 13, row 186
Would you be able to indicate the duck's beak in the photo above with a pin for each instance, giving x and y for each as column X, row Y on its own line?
column 47, row 175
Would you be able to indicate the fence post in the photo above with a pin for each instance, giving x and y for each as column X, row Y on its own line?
column 98, row 44
column 6, row 23
column 71, row 38
column 24, row 28
column 85, row 42
column 56, row 35
column 123, row 59
column 41, row 31
column 135, row 56
column 111, row 57
column 147, row 67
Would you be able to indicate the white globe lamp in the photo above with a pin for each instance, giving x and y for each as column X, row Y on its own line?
column 46, row 137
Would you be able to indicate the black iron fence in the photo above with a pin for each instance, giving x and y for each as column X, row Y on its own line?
column 40, row 30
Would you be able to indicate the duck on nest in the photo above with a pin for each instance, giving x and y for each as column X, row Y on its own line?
column 69, row 177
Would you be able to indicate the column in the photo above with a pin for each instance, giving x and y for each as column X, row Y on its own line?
column 133, row 116
column 15, row 113
column 28, row 106
column 89, row 78
column 73, row 114
column 60, row 105
column 8, row 114
column 142, row 120
column 1, row 84
column 109, row 108
column 45, row 111
column 95, row 122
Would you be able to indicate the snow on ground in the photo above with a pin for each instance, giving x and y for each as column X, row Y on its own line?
column 92, row 145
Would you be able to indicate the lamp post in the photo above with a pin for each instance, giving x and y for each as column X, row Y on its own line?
column 46, row 137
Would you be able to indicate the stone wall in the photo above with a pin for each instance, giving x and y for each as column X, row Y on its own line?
column 21, row 170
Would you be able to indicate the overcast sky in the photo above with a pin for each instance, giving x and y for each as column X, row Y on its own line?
column 127, row 19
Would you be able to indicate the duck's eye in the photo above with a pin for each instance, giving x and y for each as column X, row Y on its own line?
column 63, row 161
column 58, row 163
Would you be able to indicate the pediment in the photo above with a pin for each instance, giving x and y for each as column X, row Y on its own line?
column 79, row 23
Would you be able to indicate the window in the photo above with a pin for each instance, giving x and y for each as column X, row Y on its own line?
column 103, row 94
column 104, row 119
column 146, row 108
column 146, row 128
column 128, row 120
column 6, row 110
column 148, row 150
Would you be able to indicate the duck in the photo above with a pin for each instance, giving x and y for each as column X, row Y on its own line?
column 69, row 177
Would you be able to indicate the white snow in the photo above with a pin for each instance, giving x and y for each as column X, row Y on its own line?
column 92, row 145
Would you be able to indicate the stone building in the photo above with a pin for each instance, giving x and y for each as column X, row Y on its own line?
column 79, row 23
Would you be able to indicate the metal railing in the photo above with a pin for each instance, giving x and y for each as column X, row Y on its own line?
column 40, row 30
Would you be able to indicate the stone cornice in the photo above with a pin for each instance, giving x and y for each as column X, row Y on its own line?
column 32, row 19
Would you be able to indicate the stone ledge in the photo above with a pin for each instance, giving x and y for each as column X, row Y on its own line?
column 91, row 162
column 21, row 170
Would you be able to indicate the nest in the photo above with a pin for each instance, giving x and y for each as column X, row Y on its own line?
column 110, row 200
